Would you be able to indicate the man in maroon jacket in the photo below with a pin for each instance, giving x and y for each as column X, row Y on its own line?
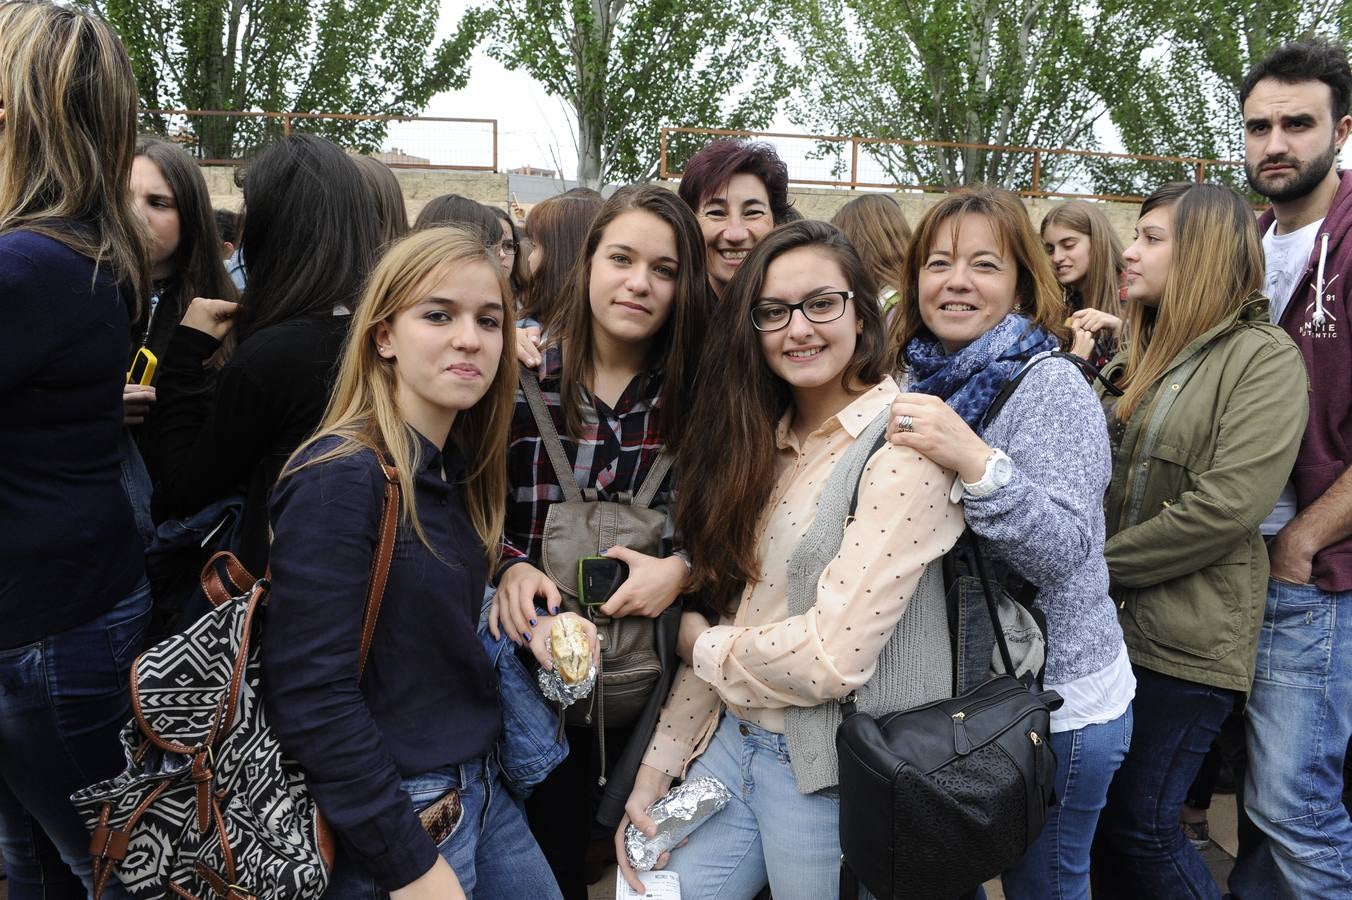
column 1295, row 107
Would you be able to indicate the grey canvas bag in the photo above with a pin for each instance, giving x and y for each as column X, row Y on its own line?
column 583, row 525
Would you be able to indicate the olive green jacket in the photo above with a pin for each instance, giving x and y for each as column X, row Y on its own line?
column 1200, row 464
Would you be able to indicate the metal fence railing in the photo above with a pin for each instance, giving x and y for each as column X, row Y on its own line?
column 224, row 137
column 864, row 162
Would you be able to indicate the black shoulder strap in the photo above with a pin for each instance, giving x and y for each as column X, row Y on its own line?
column 854, row 498
column 1012, row 385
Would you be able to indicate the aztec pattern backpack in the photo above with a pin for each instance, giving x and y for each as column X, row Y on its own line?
column 208, row 807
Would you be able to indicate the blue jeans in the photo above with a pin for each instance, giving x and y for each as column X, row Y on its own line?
column 768, row 831
column 1139, row 850
column 491, row 851
column 1299, row 722
column 63, row 702
column 1056, row 867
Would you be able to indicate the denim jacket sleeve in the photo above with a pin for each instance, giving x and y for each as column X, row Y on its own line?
column 531, row 744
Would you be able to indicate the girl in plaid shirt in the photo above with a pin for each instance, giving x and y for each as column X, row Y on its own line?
column 616, row 379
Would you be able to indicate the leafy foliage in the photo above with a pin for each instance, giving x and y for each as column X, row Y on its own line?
column 626, row 68
column 1031, row 73
column 344, row 56
column 1186, row 102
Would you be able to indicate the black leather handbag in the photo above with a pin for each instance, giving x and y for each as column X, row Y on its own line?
column 937, row 799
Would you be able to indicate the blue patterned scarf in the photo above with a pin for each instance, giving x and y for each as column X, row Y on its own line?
column 971, row 378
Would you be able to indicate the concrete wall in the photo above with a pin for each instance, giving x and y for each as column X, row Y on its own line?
column 421, row 185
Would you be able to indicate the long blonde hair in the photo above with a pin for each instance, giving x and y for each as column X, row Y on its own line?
column 69, row 135
column 364, row 413
column 1101, row 287
column 1216, row 264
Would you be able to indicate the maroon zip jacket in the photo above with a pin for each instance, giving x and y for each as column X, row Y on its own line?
column 1321, row 328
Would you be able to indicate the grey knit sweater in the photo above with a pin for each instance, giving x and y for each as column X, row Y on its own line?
column 914, row 666
column 1047, row 523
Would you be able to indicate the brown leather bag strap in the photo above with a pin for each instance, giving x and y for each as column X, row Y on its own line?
column 380, row 563
column 549, row 435
column 216, row 588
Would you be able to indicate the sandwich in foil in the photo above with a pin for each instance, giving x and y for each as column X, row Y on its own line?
column 680, row 812
column 573, row 674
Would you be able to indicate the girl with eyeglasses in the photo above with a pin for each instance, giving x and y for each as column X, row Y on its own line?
column 793, row 375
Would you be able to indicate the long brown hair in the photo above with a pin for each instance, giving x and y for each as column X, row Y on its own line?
column 675, row 348
column 68, row 136
column 877, row 229
column 1037, row 290
column 1215, row 265
column 197, row 262
column 729, row 475
column 364, row 413
column 558, row 227
column 388, row 197
column 1101, row 287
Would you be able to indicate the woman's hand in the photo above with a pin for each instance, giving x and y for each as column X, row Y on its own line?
column 650, row 785
column 513, row 607
column 528, row 347
column 1085, row 325
column 939, row 433
column 653, row 584
column 692, row 626
column 437, row 883
column 136, row 402
column 213, row 317
column 539, row 639
column 1094, row 321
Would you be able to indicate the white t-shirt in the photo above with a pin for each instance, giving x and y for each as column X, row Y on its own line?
column 1288, row 255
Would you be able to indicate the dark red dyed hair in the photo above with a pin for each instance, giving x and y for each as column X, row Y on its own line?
column 709, row 170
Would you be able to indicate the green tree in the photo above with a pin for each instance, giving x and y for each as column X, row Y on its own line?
column 1186, row 102
column 343, row 56
column 1034, row 73
column 626, row 68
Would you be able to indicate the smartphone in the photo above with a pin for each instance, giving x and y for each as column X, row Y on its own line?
column 599, row 577
column 142, row 367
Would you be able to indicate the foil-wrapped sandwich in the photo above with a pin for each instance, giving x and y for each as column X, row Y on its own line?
column 573, row 674
column 568, row 647
column 680, row 812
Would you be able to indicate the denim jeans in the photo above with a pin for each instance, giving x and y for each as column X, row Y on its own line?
column 491, row 851
column 1139, row 850
column 1056, row 867
column 63, row 702
column 1299, row 722
column 768, row 831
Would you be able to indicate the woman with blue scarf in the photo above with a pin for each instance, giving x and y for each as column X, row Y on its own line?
column 979, row 305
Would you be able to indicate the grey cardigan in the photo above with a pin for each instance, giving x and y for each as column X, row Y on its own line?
column 1047, row 524
column 914, row 667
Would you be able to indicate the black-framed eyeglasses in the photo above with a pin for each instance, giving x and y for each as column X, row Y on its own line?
column 772, row 315
column 508, row 247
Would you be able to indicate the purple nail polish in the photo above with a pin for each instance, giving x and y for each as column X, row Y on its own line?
column 527, row 635
column 533, row 623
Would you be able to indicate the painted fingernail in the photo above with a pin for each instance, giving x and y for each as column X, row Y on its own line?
column 527, row 635
column 532, row 623
column 553, row 610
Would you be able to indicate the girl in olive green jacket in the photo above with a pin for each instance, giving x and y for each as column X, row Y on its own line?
column 1204, row 437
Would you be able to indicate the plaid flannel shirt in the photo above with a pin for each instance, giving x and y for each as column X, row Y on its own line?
column 613, row 455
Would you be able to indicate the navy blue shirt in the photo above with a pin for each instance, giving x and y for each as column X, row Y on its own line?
column 429, row 697
column 69, row 549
